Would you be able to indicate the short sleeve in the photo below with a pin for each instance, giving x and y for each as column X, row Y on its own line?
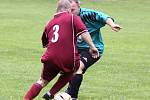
column 78, row 25
column 101, row 17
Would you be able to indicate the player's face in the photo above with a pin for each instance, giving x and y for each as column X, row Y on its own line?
column 75, row 7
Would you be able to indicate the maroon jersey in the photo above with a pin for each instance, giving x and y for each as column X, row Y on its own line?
column 60, row 36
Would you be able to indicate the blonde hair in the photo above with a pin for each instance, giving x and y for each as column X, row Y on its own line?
column 63, row 5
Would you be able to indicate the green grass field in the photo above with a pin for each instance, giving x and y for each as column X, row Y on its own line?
column 123, row 73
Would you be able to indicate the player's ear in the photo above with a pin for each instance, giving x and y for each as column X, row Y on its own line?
column 78, row 3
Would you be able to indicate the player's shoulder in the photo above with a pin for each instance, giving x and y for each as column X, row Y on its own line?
column 66, row 14
column 75, row 16
column 86, row 10
column 70, row 15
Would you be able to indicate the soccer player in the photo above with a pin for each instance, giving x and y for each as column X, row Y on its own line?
column 94, row 21
column 59, row 37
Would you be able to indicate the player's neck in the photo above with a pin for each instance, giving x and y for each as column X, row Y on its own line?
column 60, row 12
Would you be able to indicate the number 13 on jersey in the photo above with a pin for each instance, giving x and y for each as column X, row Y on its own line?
column 55, row 33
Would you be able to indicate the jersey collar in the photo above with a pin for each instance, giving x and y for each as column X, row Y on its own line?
column 60, row 13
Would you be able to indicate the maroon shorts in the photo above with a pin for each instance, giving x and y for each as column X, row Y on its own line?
column 50, row 70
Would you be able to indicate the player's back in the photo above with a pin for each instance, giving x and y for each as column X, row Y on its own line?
column 61, row 46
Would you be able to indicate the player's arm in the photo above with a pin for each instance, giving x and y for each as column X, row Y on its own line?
column 113, row 26
column 44, row 39
column 105, row 19
column 87, row 38
column 93, row 50
column 80, row 29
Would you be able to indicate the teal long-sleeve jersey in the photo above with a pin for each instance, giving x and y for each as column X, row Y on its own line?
column 94, row 21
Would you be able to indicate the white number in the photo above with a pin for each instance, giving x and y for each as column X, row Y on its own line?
column 55, row 34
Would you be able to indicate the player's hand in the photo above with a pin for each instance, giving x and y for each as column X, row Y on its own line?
column 94, row 52
column 116, row 27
